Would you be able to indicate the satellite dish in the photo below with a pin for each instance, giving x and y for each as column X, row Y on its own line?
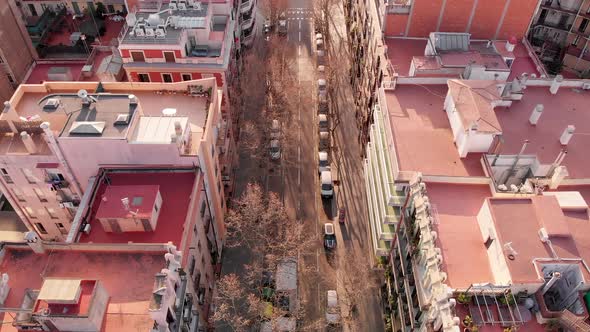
column 169, row 111
column 82, row 93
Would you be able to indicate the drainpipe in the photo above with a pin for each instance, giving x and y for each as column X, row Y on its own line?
column 516, row 160
column 566, row 299
column 554, row 277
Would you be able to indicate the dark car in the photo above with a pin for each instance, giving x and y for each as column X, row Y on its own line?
column 329, row 236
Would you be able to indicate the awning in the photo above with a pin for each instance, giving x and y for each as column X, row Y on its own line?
column 47, row 165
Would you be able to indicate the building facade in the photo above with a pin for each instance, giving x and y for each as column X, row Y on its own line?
column 559, row 34
column 16, row 51
column 482, row 19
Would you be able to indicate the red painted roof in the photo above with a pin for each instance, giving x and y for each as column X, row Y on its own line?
column 141, row 201
column 128, row 278
column 175, row 189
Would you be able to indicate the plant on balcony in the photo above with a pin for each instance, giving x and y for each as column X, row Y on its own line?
column 464, row 298
column 507, row 299
column 552, row 325
column 511, row 329
column 467, row 321
column 393, row 300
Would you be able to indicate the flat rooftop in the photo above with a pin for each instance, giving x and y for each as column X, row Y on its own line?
column 127, row 309
column 465, row 259
column 175, row 189
column 568, row 107
column 12, row 228
column 401, row 51
column 422, row 132
column 424, row 140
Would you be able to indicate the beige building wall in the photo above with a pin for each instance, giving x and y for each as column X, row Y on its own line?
column 16, row 50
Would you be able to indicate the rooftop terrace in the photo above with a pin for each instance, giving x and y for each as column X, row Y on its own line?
column 175, row 189
column 424, row 140
column 127, row 309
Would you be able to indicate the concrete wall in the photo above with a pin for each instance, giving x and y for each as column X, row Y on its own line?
column 498, row 19
column 496, row 253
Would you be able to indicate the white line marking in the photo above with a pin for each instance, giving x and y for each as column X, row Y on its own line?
column 299, row 25
column 299, row 34
column 299, row 49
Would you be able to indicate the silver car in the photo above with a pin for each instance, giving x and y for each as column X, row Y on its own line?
column 275, row 149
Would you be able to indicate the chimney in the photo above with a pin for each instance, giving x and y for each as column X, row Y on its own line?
column 28, row 142
column 554, row 277
column 537, row 111
column 558, row 175
column 34, row 242
column 125, row 202
column 511, row 43
column 132, row 100
column 6, row 107
column 555, row 84
column 567, row 135
column 178, row 128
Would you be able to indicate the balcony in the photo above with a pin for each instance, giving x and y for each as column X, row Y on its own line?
column 562, row 9
column 246, row 6
column 399, row 7
column 247, row 24
column 559, row 26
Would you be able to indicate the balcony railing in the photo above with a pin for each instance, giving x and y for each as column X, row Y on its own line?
column 246, row 5
column 399, row 7
column 560, row 26
column 555, row 6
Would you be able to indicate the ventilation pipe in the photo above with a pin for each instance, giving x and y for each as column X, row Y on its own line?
column 511, row 43
column 567, row 134
column 555, row 84
column 132, row 100
column 4, row 288
column 178, row 128
column 28, row 142
column 516, row 160
column 557, row 162
column 6, row 107
column 558, row 175
column 554, row 277
column 537, row 111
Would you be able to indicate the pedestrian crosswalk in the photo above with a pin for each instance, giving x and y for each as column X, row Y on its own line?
column 299, row 14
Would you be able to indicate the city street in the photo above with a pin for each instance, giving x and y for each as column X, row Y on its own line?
column 296, row 180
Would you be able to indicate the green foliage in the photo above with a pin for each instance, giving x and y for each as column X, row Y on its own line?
column 464, row 298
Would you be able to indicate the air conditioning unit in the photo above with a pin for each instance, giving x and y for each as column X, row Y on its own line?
column 172, row 6
column 160, row 33
column 586, row 86
column 52, row 103
column 149, row 32
column 67, row 204
column 87, row 229
column 139, row 32
column 181, row 6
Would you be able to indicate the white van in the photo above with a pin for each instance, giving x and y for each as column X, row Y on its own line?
column 327, row 186
column 332, row 310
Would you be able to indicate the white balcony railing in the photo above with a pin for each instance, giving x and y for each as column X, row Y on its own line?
column 246, row 5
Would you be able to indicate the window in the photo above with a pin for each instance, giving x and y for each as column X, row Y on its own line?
column 156, row 207
column 195, row 229
column 30, row 212
column 167, row 78
column 5, row 175
column 191, row 268
column 212, row 150
column 203, row 207
column 29, row 175
column 138, row 57
column 18, row 194
column 40, row 228
column 219, row 187
column 61, row 228
column 583, row 25
column 169, row 57
column 143, row 77
column 576, row 40
column 187, row 77
column 40, row 195
column 51, row 213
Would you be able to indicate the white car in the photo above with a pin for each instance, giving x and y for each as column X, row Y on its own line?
column 275, row 129
column 327, row 186
column 275, row 149
column 324, row 163
column 332, row 310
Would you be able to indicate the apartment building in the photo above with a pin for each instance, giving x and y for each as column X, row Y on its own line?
column 248, row 27
column 16, row 52
column 482, row 19
column 480, row 208
column 47, row 287
column 559, row 34
column 57, row 135
column 369, row 66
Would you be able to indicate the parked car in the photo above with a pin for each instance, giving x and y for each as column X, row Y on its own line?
column 332, row 310
column 275, row 129
column 275, row 149
column 282, row 24
column 327, row 186
column 329, row 236
column 324, row 163
column 323, row 122
column 322, row 87
column 324, row 144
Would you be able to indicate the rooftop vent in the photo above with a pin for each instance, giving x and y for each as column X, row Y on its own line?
column 87, row 127
column 52, row 103
column 122, row 119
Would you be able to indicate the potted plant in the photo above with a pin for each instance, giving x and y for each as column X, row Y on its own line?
column 552, row 325
column 467, row 321
column 507, row 299
column 463, row 298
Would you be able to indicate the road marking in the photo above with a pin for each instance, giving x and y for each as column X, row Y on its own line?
column 317, row 258
column 299, row 34
column 299, row 49
column 299, row 25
